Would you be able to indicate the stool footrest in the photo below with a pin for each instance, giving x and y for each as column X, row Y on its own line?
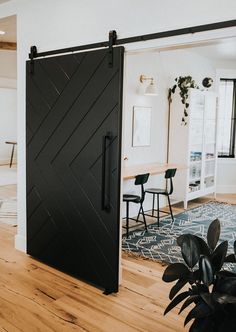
column 140, row 222
column 137, row 221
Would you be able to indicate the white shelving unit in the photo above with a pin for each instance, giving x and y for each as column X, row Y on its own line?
column 194, row 145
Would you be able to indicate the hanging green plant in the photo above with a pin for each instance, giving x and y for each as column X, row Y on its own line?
column 184, row 83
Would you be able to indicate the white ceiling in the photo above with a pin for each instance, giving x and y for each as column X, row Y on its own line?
column 2, row 1
column 222, row 50
column 8, row 24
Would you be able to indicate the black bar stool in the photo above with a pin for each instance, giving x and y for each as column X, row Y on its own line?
column 169, row 174
column 139, row 180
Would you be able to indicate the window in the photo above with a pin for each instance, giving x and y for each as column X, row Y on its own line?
column 227, row 118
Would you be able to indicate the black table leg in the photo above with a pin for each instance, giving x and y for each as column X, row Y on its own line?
column 12, row 154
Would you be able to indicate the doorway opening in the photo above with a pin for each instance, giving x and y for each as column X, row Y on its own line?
column 8, row 123
column 192, row 145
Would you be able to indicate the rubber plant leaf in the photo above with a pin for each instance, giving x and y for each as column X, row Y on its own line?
column 208, row 298
column 180, row 239
column 213, row 234
column 206, row 270
column 190, row 250
column 202, row 325
column 201, row 310
column 225, row 273
column 218, row 256
column 227, row 286
column 175, row 271
column 224, row 298
column 203, row 247
column 230, row 258
column 191, row 299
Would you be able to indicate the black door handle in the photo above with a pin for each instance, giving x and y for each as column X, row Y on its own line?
column 105, row 196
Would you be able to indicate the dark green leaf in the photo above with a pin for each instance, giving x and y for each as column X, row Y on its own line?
column 206, row 270
column 227, row 326
column 180, row 239
column 194, row 276
column 175, row 271
column 227, row 286
column 208, row 298
column 177, row 287
column 191, row 299
column 202, row 288
column 190, row 250
column 224, row 298
column 213, row 234
column 173, row 88
column 201, row 310
column 230, row 258
column 219, row 255
column 179, row 298
column 226, row 274
column 202, row 325
column 194, row 290
column 204, row 249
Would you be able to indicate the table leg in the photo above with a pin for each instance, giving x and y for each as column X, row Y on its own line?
column 12, row 154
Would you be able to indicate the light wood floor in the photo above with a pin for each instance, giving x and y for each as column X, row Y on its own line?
column 35, row 297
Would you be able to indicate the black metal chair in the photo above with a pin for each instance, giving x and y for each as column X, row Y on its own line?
column 139, row 180
column 169, row 174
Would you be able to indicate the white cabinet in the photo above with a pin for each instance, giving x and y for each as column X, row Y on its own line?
column 194, row 145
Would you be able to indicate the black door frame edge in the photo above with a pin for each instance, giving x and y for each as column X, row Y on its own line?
column 157, row 35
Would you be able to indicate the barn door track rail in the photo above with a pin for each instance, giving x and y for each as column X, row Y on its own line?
column 113, row 41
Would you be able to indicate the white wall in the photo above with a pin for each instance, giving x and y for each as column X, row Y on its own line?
column 7, row 69
column 52, row 24
column 149, row 65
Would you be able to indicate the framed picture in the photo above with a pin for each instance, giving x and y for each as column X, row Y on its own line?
column 141, row 126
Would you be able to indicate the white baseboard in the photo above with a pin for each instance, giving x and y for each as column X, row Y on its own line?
column 20, row 242
column 229, row 189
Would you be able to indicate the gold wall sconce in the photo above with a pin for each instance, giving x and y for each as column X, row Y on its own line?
column 151, row 89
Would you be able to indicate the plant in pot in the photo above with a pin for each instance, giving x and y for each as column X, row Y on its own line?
column 212, row 291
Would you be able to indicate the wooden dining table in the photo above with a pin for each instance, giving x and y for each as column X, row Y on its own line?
column 129, row 172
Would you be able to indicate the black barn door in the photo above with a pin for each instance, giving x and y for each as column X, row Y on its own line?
column 74, row 112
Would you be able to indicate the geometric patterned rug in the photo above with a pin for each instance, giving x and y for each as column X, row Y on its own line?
column 159, row 243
